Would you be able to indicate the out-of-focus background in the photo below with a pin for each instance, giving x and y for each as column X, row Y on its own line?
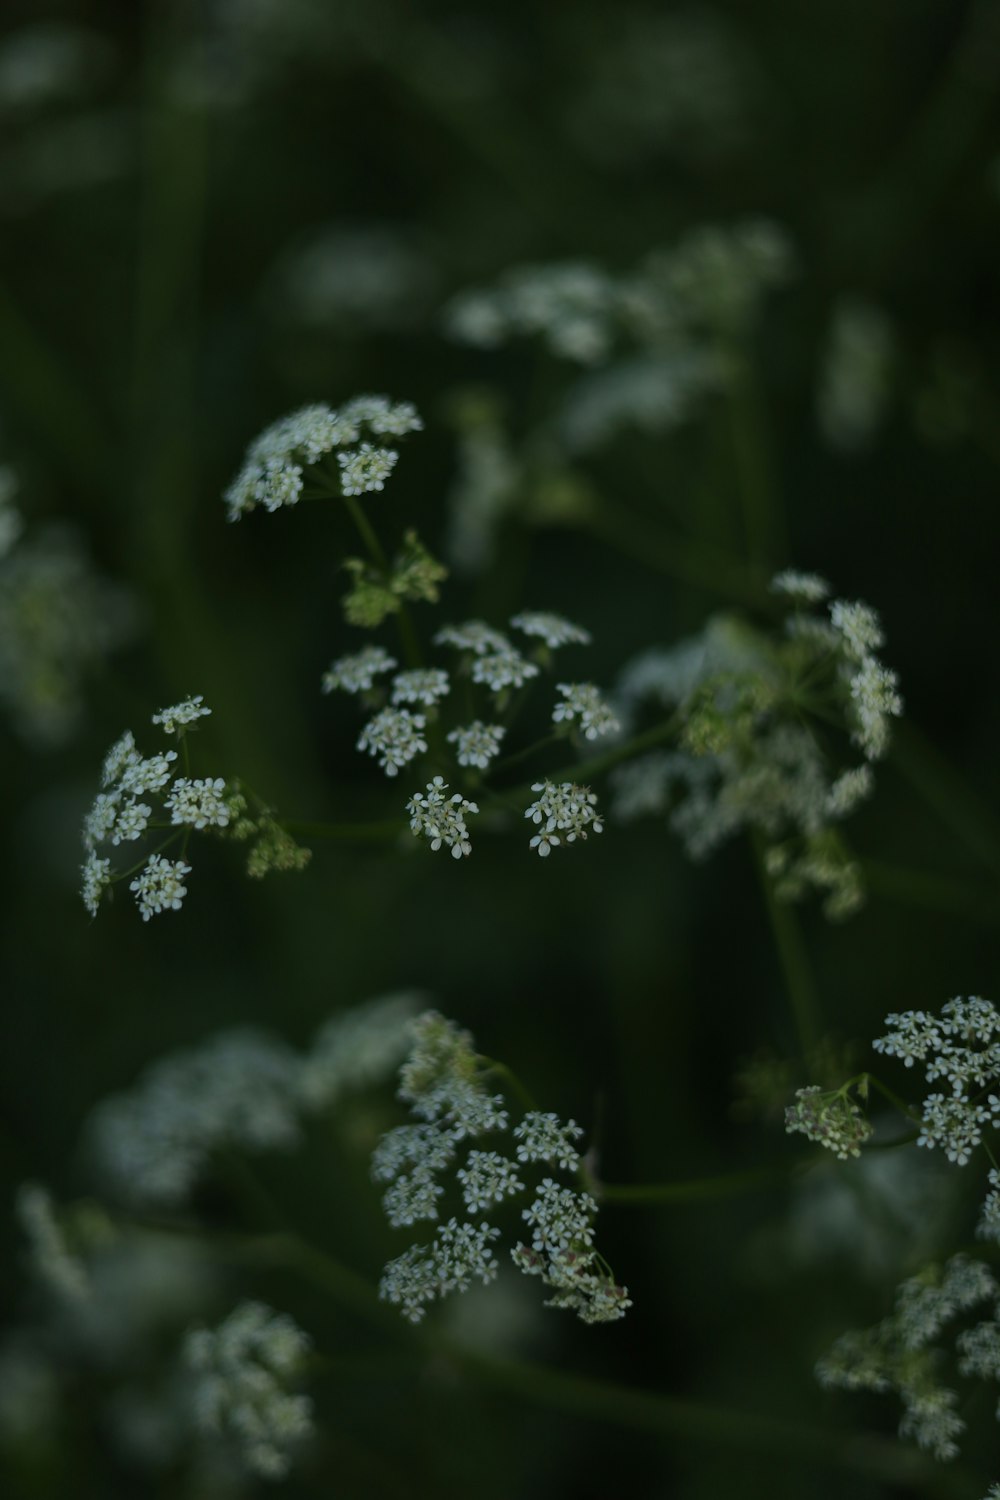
column 211, row 213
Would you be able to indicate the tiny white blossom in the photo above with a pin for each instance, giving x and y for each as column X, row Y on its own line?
column 874, row 690
column 357, row 673
column 118, row 759
column 96, row 879
column 396, row 736
column 132, row 822
column 832, row 1120
column 503, row 669
column 561, row 1219
column 954, row 1124
column 382, row 416
column 366, row 468
column 182, row 714
column 241, row 1373
column 149, row 775
column 544, row 1137
column 158, row 887
column 199, row 804
column 583, row 701
column 564, row 813
column 859, row 627
column 809, row 588
column 477, row 743
column 422, row 685
column 554, row 630
column 441, row 819
column 473, row 636
column 488, row 1178
column 100, row 820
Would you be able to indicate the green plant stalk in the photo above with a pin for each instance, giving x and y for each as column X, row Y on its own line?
column 792, row 956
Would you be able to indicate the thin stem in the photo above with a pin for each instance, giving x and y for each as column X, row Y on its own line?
column 792, row 957
column 947, row 793
column 893, row 1098
column 367, row 533
column 934, row 892
column 586, row 770
column 532, row 749
column 698, row 1190
column 680, row 558
column 762, row 524
column 512, row 1081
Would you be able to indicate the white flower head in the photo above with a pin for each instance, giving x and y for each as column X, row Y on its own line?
column 118, row 759
column 501, row 670
column 441, row 819
column 563, row 814
column 804, row 588
column 475, row 636
column 583, row 701
column 159, row 886
column 366, row 468
column 425, row 685
column 395, row 736
column 132, row 822
column 357, row 673
column 476, row 743
column 182, row 714
column 96, row 875
column 149, row 775
column 199, row 804
column 554, row 630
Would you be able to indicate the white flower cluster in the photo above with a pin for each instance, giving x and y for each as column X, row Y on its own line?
column 749, row 757
column 441, row 819
column 583, row 701
column 855, row 375
column 272, row 474
column 51, row 1257
column 831, row 1119
column 397, row 735
column 563, row 814
column 572, row 306
column 120, row 815
column 897, row 1354
column 443, row 1081
column 242, row 1373
column 59, row 620
column 240, row 1089
column 962, row 1047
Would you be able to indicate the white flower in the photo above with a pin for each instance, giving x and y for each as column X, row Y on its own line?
column 488, row 1178
column 118, row 759
column 876, row 700
column 198, row 804
column 357, row 673
column 423, row 685
column 241, row 1373
column 554, row 630
column 96, row 879
column 358, row 1047
column 473, row 636
column 395, row 735
column 503, row 669
column 953, row 1123
column 583, row 700
column 477, row 743
column 859, row 626
column 100, row 820
column 182, row 714
column 832, row 1120
column 366, row 468
column 543, row 1137
column 561, row 1219
column 441, row 820
column 158, row 887
column 132, row 822
column 383, row 416
column 149, row 775
column 564, row 814
column 807, row 588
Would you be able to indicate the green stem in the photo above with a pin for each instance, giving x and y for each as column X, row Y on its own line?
column 697, row 1190
column 893, row 1098
column 367, row 533
column 519, row 755
column 680, row 558
column 792, row 957
column 923, row 888
column 512, row 1081
column 947, row 793
column 585, row 771
column 762, row 525
column 359, row 833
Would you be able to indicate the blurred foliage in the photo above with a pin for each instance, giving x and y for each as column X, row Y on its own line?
column 214, row 212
